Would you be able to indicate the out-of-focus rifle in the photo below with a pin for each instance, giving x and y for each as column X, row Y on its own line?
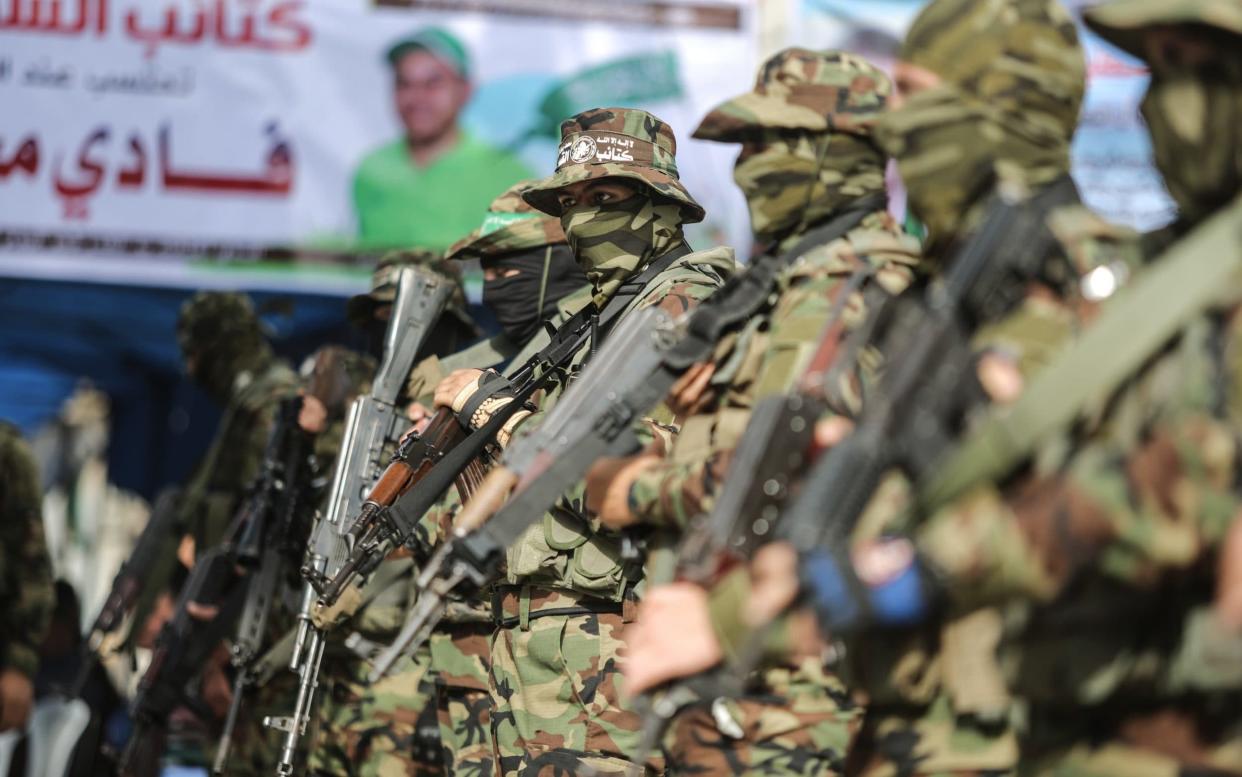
column 373, row 421
column 219, row 589
column 922, row 402
column 774, row 450
column 632, row 374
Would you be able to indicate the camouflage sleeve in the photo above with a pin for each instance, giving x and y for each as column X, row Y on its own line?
column 673, row 492
column 1132, row 511
column 27, row 571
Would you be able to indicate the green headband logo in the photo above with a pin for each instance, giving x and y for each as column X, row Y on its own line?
column 494, row 222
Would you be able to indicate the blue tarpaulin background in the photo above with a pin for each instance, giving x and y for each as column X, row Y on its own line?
column 121, row 339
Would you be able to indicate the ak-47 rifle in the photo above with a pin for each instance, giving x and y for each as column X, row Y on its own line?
column 221, row 581
column 374, row 420
column 632, row 374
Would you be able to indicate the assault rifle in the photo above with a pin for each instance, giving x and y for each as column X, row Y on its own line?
column 924, row 396
column 221, row 583
column 373, row 421
column 632, row 374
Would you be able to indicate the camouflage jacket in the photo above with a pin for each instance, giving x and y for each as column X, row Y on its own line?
column 26, row 590
column 909, row 671
column 768, row 356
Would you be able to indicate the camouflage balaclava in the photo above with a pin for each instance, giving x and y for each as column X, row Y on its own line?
column 1194, row 115
column 221, row 337
column 612, row 241
column 1013, row 77
column 805, row 132
column 1193, row 105
column 536, row 266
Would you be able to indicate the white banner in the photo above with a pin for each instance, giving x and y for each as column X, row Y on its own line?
column 140, row 136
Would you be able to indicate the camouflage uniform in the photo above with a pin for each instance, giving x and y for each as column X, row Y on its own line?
column 808, row 158
column 1007, row 108
column 1105, row 548
column 25, row 569
column 1012, row 81
column 387, row 728
column 512, row 235
column 554, row 678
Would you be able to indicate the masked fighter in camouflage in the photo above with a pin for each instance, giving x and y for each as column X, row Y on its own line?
column 992, row 91
column 25, row 578
column 554, row 678
column 225, row 352
column 808, row 164
column 528, row 270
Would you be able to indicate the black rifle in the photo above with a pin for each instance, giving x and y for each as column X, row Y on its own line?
column 237, row 580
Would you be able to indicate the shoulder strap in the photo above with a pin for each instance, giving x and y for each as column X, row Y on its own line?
column 635, row 285
column 1192, row 276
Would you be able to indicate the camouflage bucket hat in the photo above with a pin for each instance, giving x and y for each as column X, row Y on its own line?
column 383, row 291
column 800, row 89
column 1122, row 22
column 510, row 225
column 616, row 143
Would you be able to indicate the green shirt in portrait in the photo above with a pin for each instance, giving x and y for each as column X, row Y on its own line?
column 402, row 205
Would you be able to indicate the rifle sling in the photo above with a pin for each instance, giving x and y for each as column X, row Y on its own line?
column 1193, row 275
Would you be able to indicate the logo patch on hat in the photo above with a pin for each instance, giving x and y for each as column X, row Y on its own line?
column 582, row 149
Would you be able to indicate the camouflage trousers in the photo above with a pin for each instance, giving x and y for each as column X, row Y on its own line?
column 388, row 729
column 556, row 693
column 1160, row 743
column 802, row 723
column 461, row 658
column 931, row 741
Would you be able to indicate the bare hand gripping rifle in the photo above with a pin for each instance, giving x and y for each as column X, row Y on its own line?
column 632, row 373
column 372, row 423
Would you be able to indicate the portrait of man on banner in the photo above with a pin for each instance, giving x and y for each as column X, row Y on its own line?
column 428, row 187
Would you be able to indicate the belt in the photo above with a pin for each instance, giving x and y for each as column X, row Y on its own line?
column 514, row 605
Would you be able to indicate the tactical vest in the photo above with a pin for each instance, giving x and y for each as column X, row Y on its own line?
column 566, row 549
